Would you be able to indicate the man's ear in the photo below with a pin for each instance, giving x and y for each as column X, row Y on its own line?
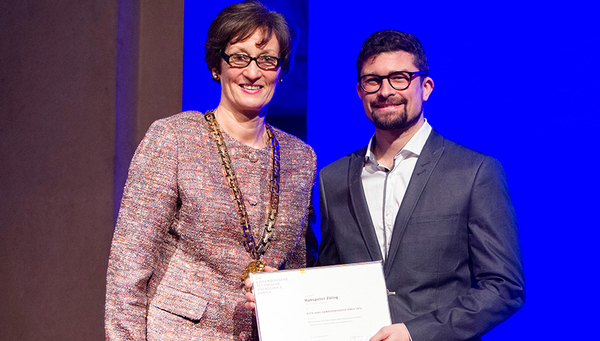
column 427, row 87
column 359, row 90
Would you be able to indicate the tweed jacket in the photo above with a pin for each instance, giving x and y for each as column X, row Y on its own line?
column 178, row 249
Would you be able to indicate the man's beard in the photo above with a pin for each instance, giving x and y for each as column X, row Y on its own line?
column 395, row 121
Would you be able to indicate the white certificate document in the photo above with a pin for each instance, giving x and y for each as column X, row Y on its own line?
column 329, row 303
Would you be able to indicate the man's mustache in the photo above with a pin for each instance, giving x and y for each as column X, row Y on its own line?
column 388, row 102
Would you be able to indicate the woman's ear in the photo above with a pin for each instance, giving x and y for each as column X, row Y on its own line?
column 215, row 75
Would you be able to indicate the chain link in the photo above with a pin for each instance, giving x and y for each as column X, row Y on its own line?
column 255, row 250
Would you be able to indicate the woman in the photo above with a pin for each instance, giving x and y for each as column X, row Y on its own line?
column 212, row 196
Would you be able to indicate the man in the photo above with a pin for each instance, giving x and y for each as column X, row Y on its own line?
column 439, row 215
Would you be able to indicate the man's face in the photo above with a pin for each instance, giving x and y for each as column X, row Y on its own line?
column 388, row 108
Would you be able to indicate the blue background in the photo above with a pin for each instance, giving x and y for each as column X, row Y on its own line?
column 517, row 80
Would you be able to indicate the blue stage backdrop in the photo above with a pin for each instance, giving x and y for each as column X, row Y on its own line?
column 513, row 79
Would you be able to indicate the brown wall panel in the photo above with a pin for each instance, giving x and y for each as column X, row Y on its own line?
column 58, row 88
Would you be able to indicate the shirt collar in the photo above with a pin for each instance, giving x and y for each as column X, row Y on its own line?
column 413, row 147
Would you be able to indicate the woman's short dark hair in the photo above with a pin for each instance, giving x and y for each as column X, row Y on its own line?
column 390, row 41
column 238, row 22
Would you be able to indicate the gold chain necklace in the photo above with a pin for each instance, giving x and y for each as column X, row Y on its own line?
column 256, row 250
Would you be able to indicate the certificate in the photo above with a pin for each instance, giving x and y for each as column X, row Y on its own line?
column 329, row 303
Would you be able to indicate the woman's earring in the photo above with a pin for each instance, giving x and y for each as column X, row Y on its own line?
column 215, row 76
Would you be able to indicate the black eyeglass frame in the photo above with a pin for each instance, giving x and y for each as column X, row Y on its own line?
column 381, row 78
column 226, row 57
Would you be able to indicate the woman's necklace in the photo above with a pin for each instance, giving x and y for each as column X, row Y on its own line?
column 256, row 250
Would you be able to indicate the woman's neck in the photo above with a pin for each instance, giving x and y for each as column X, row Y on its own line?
column 247, row 129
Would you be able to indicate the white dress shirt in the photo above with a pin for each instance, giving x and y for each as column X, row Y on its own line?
column 385, row 188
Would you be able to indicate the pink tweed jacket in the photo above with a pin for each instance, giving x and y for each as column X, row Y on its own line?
column 178, row 248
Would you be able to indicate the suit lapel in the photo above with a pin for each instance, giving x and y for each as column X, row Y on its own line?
column 359, row 204
column 430, row 155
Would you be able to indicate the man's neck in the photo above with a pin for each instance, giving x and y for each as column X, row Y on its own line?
column 389, row 142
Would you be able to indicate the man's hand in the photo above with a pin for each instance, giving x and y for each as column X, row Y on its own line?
column 249, row 305
column 395, row 332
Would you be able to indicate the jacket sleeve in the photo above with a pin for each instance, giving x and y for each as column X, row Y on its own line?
column 147, row 209
column 328, row 253
column 498, row 289
column 305, row 253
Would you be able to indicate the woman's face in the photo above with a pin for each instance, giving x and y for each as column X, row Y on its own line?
column 249, row 89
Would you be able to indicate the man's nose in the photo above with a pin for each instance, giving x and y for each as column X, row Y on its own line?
column 386, row 88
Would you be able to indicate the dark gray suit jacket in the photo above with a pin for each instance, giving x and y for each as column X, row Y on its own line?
column 454, row 267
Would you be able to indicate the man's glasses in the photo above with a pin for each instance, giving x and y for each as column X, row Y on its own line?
column 399, row 80
column 241, row 60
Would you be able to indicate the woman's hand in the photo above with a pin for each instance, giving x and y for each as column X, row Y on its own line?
column 249, row 305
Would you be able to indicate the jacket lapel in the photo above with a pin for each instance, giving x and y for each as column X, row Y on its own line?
column 359, row 204
column 430, row 155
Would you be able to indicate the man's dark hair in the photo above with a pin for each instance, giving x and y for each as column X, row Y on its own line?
column 238, row 22
column 390, row 41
